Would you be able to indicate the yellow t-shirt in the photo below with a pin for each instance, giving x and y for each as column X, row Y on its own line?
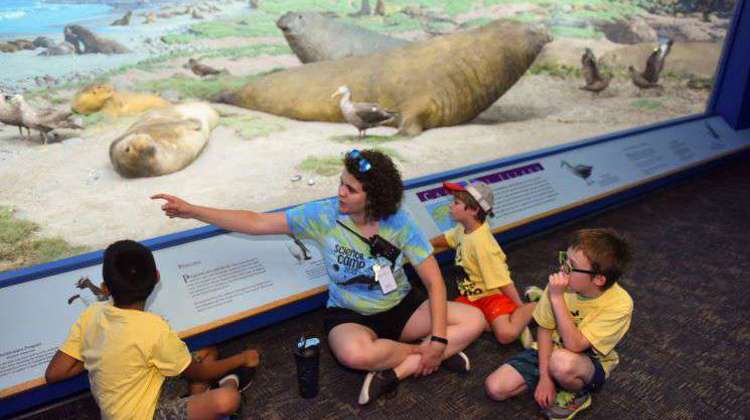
column 603, row 320
column 482, row 259
column 127, row 354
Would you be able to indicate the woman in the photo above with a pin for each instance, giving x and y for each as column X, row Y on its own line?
column 373, row 316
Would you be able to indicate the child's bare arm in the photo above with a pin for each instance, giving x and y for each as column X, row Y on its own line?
column 62, row 367
column 544, row 393
column 571, row 336
column 209, row 370
column 439, row 243
column 511, row 292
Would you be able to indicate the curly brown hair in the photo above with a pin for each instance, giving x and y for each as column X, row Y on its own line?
column 382, row 183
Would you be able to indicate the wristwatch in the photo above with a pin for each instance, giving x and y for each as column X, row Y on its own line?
column 439, row 339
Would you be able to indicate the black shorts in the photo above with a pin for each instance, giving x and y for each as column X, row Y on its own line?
column 388, row 324
column 526, row 363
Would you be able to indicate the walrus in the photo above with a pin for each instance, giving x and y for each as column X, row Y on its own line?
column 439, row 82
column 314, row 37
column 92, row 44
column 163, row 141
column 103, row 97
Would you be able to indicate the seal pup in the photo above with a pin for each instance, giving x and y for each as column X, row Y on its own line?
column 163, row 141
column 361, row 115
column 103, row 97
column 594, row 81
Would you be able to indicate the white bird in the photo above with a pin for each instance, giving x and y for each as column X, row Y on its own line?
column 360, row 114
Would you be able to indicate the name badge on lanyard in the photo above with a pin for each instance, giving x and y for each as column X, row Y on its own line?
column 384, row 277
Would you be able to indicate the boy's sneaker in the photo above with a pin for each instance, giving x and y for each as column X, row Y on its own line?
column 533, row 293
column 379, row 383
column 526, row 338
column 567, row 405
column 242, row 376
column 459, row 363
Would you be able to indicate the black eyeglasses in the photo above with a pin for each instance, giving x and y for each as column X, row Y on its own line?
column 363, row 165
column 567, row 268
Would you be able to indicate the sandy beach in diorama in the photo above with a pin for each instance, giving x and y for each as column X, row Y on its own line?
column 68, row 188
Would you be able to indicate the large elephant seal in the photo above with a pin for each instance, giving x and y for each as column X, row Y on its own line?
column 163, row 141
column 103, row 97
column 443, row 81
column 314, row 37
column 92, row 44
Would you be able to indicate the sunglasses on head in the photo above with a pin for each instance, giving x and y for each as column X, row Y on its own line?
column 363, row 165
column 567, row 268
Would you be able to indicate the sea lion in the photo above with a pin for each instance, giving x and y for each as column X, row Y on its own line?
column 103, row 97
column 77, row 35
column 314, row 37
column 440, row 82
column 163, row 141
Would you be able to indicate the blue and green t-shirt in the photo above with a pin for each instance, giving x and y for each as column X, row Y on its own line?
column 348, row 260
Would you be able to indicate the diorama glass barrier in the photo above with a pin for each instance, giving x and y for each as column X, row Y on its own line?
column 86, row 182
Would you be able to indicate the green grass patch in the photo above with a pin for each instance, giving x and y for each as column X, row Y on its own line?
column 556, row 70
column 572, row 32
column 369, row 140
column 474, row 23
column 93, row 119
column 323, row 166
column 189, row 87
column 19, row 246
column 250, row 127
column 648, row 104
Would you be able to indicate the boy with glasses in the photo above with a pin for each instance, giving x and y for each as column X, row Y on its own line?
column 582, row 315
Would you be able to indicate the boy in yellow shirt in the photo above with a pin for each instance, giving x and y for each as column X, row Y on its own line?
column 583, row 313
column 483, row 277
column 128, row 352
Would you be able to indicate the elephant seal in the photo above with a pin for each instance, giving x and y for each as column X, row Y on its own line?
column 439, row 82
column 95, row 98
column 163, row 141
column 314, row 37
column 92, row 44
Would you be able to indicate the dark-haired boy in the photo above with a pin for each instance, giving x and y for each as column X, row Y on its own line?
column 128, row 352
column 582, row 315
column 483, row 278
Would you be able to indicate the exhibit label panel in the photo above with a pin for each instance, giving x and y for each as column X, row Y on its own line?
column 204, row 284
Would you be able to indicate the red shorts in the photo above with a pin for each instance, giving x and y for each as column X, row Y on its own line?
column 491, row 306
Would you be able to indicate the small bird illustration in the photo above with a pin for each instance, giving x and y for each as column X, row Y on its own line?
column 580, row 170
column 200, row 69
column 360, row 114
column 594, row 81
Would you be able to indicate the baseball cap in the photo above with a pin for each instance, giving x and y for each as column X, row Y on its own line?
column 477, row 189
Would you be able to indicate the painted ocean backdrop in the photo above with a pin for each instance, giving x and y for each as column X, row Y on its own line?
column 28, row 19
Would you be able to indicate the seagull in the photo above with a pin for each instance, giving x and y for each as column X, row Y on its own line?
column 362, row 115
column 42, row 120
column 594, row 80
column 9, row 115
column 201, row 69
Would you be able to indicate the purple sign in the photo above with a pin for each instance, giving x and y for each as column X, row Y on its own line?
column 493, row 178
